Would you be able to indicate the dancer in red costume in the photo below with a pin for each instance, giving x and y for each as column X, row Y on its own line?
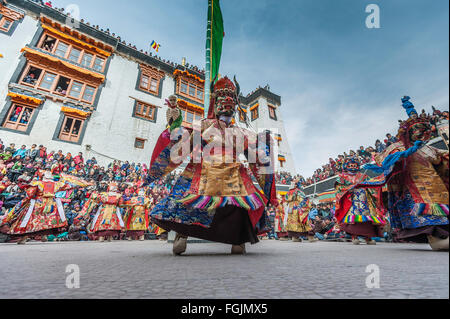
column 215, row 198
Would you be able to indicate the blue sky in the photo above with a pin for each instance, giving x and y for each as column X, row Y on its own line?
column 340, row 82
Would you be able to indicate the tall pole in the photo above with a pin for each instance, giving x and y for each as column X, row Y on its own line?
column 208, row 57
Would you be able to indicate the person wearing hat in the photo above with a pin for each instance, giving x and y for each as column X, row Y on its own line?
column 215, row 198
column 42, row 212
column 107, row 222
column 358, row 210
column 417, row 178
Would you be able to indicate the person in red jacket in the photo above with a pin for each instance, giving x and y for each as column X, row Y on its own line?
column 78, row 160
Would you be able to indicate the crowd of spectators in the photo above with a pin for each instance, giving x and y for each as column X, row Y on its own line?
column 286, row 178
column 366, row 155
column 20, row 166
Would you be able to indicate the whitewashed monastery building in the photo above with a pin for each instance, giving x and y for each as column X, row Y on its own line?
column 79, row 89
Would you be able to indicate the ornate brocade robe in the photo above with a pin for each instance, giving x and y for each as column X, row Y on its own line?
column 136, row 217
column 206, row 186
column 297, row 210
column 42, row 211
column 418, row 187
column 358, row 205
column 109, row 214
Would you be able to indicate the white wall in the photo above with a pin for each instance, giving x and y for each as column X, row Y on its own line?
column 265, row 122
column 112, row 130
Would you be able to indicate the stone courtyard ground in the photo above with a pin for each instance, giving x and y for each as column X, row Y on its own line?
column 271, row 269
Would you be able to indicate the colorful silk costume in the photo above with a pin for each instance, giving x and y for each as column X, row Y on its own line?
column 42, row 213
column 359, row 211
column 108, row 220
column 417, row 178
column 136, row 216
column 281, row 218
column 215, row 198
column 298, row 211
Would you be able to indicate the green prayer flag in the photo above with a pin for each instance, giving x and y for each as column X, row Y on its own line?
column 214, row 41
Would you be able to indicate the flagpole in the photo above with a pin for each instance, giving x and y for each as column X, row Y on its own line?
column 208, row 58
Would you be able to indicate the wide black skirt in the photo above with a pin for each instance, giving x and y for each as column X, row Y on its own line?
column 230, row 225
column 366, row 229
column 419, row 235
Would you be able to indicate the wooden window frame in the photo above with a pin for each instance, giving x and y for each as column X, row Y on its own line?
column 69, row 90
column 55, row 83
column 26, row 71
column 156, row 85
column 241, row 116
column 140, row 140
column 155, row 77
column 56, row 46
column 141, row 81
column 93, row 95
column 138, row 112
column 74, row 118
column 185, row 114
column 189, row 85
column 69, row 50
column 96, row 56
column 149, row 83
column 81, row 54
column 41, row 42
column 10, row 125
column 2, row 22
column 255, row 110
column 92, row 59
column 274, row 109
